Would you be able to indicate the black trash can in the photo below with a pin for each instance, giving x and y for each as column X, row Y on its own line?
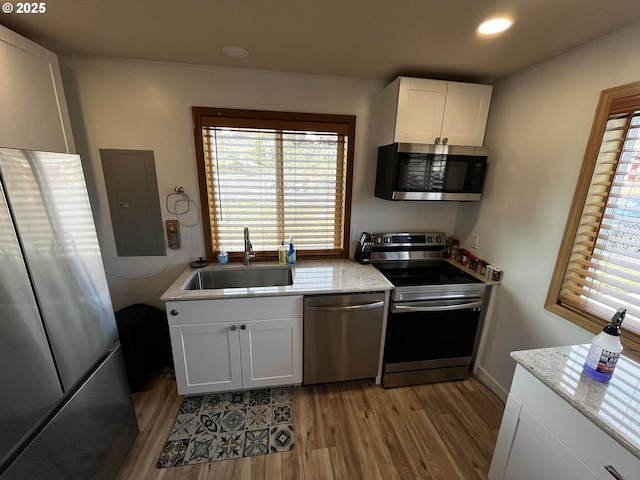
column 144, row 336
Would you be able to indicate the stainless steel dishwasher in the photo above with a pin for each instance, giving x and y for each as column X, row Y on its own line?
column 342, row 336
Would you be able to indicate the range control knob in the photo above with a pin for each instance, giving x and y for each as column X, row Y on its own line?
column 387, row 240
column 429, row 239
column 439, row 239
column 378, row 240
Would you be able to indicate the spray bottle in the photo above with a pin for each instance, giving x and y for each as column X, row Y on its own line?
column 605, row 350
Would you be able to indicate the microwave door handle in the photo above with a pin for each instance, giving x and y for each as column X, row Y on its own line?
column 437, row 308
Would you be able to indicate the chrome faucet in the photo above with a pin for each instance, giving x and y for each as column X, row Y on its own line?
column 248, row 249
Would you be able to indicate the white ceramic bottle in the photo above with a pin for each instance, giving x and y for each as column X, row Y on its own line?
column 605, row 350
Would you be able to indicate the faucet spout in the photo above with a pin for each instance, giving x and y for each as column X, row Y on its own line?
column 248, row 248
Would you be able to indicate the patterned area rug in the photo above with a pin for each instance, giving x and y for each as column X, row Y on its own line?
column 229, row 425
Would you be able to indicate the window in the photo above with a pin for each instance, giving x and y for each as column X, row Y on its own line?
column 281, row 174
column 598, row 267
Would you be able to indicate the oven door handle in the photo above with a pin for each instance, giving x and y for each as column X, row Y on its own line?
column 350, row 308
column 436, row 308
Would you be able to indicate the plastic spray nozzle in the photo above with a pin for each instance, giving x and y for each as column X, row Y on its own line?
column 614, row 325
column 618, row 317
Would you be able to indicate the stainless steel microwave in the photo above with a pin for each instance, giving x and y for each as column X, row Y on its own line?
column 408, row 171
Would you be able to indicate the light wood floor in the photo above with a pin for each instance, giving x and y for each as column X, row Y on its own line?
column 351, row 431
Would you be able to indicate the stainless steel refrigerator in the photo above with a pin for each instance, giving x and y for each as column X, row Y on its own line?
column 65, row 406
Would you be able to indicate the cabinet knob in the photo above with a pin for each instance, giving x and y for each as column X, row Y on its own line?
column 243, row 327
column 437, row 141
column 445, row 140
column 174, row 312
column 233, row 328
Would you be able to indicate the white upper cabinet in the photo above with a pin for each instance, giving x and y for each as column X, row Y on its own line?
column 34, row 111
column 465, row 114
column 419, row 110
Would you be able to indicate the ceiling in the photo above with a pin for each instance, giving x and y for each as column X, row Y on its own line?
column 373, row 39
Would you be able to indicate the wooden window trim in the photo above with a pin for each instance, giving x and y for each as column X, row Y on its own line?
column 262, row 118
column 613, row 100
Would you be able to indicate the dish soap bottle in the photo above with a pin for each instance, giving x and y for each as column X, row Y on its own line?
column 282, row 254
column 291, row 253
column 605, row 350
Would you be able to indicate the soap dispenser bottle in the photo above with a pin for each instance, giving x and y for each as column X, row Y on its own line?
column 291, row 253
column 282, row 254
column 605, row 350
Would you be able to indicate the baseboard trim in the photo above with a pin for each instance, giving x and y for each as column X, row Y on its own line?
column 480, row 374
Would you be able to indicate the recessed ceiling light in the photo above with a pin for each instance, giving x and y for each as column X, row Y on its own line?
column 235, row 51
column 495, row 25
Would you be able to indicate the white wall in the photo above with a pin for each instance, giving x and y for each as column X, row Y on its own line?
column 538, row 128
column 127, row 104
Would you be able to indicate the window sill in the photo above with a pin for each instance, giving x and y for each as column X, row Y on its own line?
column 629, row 340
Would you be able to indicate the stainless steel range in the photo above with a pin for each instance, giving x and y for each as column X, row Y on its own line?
column 434, row 316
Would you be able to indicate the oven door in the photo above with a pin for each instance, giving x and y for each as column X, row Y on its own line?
column 430, row 341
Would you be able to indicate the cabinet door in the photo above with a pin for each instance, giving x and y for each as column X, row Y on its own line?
column 421, row 104
column 34, row 111
column 584, row 438
column 527, row 450
column 465, row 113
column 271, row 352
column 536, row 453
column 206, row 357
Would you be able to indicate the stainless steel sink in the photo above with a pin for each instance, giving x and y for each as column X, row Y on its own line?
column 240, row 278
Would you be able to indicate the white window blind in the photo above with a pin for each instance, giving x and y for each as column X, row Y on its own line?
column 603, row 273
column 278, row 182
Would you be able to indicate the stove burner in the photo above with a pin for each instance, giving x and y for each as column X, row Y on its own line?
column 425, row 273
column 414, row 264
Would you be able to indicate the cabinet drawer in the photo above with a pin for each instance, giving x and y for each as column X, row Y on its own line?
column 586, row 440
column 233, row 309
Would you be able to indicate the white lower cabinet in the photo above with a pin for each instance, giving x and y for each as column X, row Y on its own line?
column 234, row 344
column 534, row 452
column 543, row 436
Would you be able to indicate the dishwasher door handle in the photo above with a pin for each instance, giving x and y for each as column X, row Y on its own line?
column 350, row 308
column 438, row 308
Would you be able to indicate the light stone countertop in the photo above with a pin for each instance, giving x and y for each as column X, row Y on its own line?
column 473, row 273
column 309, row 277
column 612, row 406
